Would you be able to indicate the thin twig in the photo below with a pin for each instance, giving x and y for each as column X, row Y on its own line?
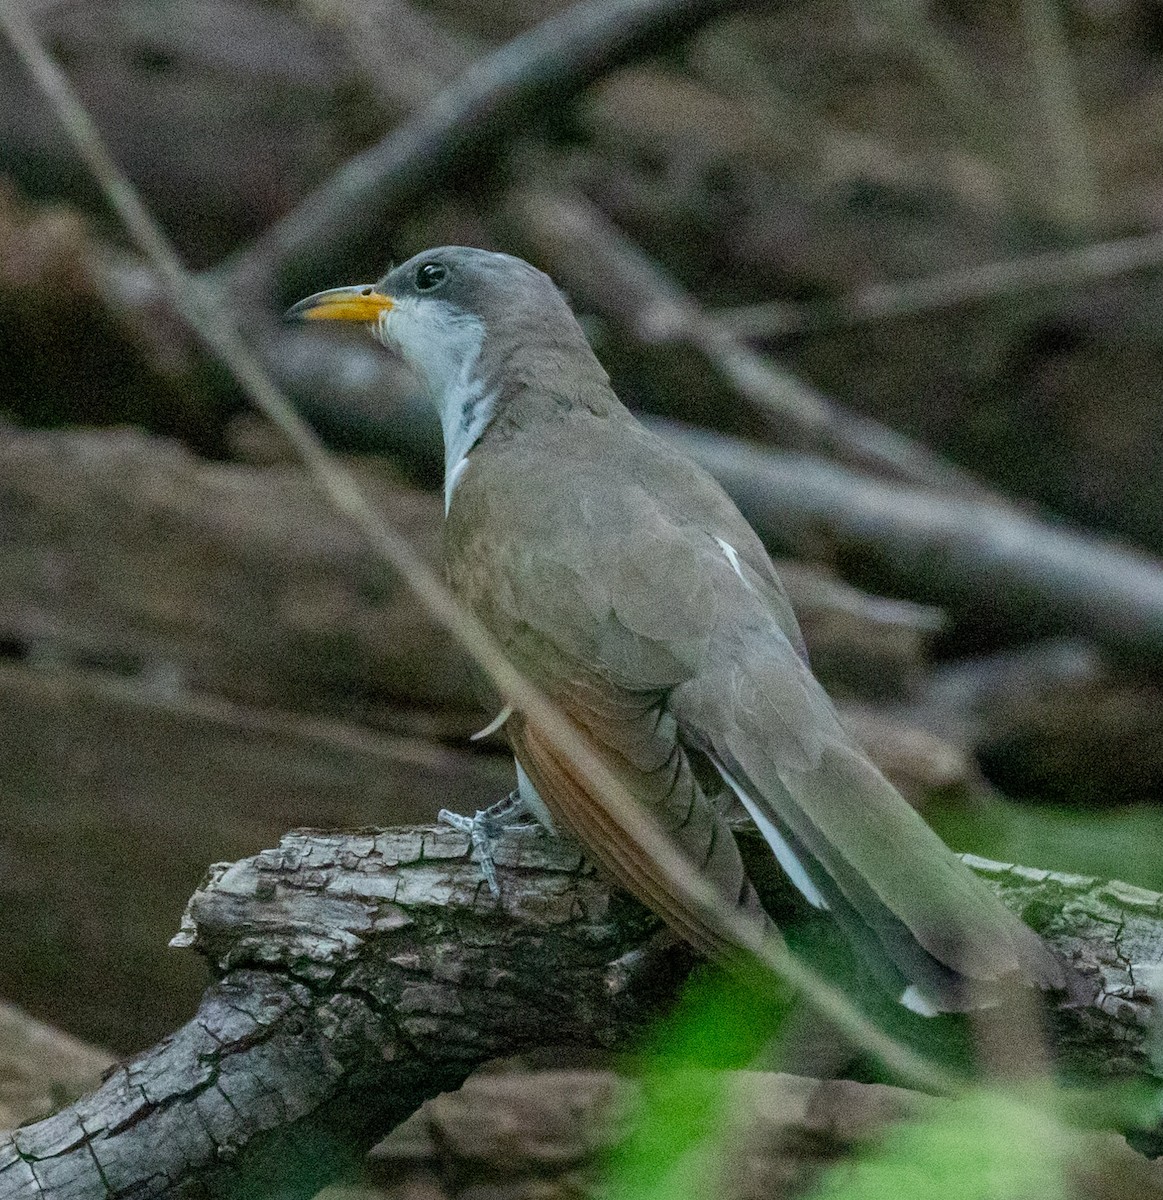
column 1029, row 574
column 1073, row 196
column 910, row 29
column 204, row 309
column 949, row 289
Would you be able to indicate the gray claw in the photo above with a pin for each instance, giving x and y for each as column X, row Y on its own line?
column 482, row 829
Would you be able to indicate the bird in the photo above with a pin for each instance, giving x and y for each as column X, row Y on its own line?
column 622, row 580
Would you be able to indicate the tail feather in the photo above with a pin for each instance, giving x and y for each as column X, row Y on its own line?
column 927, row 924
column 788, row 857
column 896, row 958
column 932, row 929
column 701, row 834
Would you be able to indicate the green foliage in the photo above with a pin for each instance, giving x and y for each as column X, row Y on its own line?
column 990, row 1143
column 987, row 1145
column 723, row 1022
column 1110, row 843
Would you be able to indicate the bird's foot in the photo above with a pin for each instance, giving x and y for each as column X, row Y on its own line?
column 482, row 828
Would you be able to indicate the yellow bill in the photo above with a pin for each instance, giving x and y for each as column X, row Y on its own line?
column 359, row 303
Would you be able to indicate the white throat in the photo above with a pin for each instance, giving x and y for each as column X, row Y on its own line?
column 465, row 410
column 443, row 345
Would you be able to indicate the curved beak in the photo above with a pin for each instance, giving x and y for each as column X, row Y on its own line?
column 359, row 303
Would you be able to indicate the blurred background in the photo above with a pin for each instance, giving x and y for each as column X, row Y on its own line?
column 938, row 217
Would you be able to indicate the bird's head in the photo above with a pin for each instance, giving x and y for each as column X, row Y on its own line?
column 447, row 311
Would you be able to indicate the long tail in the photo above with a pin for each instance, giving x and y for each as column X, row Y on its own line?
column 932, row 930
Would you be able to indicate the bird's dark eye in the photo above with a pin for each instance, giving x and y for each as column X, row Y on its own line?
column 429, row 275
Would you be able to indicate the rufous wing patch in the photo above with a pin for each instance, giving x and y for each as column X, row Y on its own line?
column 615, row 844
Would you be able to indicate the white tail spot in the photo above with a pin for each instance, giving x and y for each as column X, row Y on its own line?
column 732, row 556
column 916, row 1001
column 784, row 854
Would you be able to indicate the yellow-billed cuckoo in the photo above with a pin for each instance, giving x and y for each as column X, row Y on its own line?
column 623, row 581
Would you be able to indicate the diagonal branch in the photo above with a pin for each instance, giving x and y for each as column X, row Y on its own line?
column 978, row 556
column 599, row 264
column 200, row 304
column 520, row 84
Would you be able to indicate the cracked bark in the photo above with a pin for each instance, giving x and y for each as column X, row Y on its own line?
column 360, row 973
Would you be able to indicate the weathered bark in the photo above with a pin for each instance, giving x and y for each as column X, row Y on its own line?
column 361, row 973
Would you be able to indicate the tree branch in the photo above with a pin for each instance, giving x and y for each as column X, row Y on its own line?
column 602, row 267
column 199, row 304
column 977, row 557
column 525, row 80
column 361, row 973
column 1072, row 267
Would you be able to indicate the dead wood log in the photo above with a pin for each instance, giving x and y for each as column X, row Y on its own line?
column 359, row 974
column 554, row 1131
column 127, row 553
column 544, row 1133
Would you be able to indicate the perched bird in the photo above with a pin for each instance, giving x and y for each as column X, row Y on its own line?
column 623, row 581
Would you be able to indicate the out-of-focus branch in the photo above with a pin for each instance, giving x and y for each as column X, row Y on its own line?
column 201, row 305
column 1074, row 194
column 973, row 556
column 978, row 556
column 603, row 268
column 361, row 973
column 520, row 84
column 950, row 289
column 961, row 87
column 405, row 54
